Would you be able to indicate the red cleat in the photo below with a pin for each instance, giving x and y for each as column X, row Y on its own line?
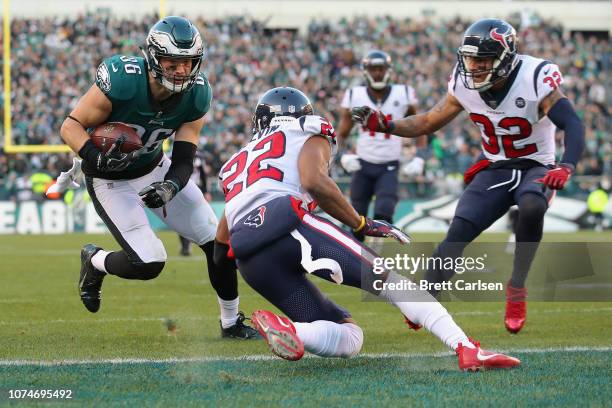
column 475, row 359
column 516, row 308
column 279, row 333
column 413, row 326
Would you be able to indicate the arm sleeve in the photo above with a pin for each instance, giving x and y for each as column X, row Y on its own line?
column 563, row 115
column 181, row 168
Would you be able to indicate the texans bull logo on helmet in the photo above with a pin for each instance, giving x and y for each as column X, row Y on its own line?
column 500, row 37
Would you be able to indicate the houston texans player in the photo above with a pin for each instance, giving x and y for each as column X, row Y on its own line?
column 375, row 166
column 516, row 101
column 270, row 185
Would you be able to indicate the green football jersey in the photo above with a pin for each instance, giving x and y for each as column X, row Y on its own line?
column 125, row 81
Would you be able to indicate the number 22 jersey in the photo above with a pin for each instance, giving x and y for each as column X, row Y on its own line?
column 512, row 126
column 267, row 167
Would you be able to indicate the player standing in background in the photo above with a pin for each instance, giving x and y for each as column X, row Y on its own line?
column 270, row 186
column 376, row 164
column 159, row 95
column 516, row 102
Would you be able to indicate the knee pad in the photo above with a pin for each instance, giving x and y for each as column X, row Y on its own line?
column 462, row 230
column 532, row 208
column 147, row 271
column 151, row 251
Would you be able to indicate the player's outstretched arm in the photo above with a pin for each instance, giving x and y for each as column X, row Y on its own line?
column 413, row 126
column 345, row 126
column 313, row 165
column 561, row 112
column 314, row 177
column 91, row 110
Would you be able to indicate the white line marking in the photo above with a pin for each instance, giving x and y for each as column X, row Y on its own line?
column 268, row 357
column 200, row 318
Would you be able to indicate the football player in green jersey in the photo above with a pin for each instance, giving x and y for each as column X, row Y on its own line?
column 160, row 95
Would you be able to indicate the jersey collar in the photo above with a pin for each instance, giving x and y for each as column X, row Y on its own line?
column 385, row 95
column 494, row 99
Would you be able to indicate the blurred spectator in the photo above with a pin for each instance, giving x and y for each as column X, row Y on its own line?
column 54, row 60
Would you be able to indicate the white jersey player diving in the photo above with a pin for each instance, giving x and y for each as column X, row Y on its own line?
column 276, row 240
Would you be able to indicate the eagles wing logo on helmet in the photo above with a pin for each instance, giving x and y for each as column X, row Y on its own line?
column 500, row 38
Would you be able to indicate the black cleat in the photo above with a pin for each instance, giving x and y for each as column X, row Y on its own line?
column 240, row 330
column 90, row 281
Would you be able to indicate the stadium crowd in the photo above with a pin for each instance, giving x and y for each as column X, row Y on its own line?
column 54, row 61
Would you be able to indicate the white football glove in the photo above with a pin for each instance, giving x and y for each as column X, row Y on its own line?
column 414, row 167
column 67, row 179
column 350, row 162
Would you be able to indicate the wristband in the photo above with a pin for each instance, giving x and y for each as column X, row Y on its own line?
column 361, row 224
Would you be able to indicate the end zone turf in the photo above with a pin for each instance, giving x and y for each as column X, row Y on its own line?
column 565, row 347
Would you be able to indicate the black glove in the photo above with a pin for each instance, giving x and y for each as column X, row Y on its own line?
column 379, row 228
column 159, row 193
column 111, row 161
column 373, row 120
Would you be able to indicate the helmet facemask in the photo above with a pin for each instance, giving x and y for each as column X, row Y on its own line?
column 487, row 38
column 501, row 68
column 377, row 59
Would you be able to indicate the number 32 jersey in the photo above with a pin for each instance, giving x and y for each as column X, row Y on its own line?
column 513, row 126
column 267, row 167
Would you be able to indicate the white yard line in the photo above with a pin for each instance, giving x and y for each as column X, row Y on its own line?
column 268, row 357
column 200, row 318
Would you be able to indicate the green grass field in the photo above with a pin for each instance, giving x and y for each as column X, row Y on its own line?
column 124, row 354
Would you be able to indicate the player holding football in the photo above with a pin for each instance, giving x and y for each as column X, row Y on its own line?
column 376, row 163
column 159, row 95
column 269, row 186
column 516, row 101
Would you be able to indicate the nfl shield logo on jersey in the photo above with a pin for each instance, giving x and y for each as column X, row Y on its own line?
column 256, row 220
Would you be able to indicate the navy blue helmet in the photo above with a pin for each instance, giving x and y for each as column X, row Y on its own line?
column 281, row 101
column 487, row 38
column 377, row 58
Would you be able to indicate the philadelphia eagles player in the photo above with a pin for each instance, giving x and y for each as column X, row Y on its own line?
column 160, row 95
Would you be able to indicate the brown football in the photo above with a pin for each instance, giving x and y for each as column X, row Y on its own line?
column 106, row 134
